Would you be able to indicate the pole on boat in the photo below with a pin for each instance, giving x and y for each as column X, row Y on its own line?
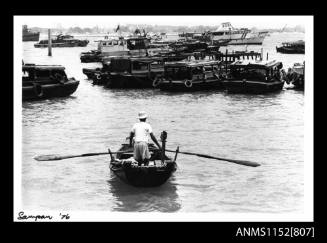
column 226, row 62
column 267, row 56
column 261, row 54
column 49, row 43
column 163, row 137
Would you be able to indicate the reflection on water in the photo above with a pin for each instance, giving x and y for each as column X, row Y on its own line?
column 135, row 199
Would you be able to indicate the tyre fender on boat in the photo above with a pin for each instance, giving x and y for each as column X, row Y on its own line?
column 156, row 82
column 188, row 83
column 38, row 90
column 98, row 76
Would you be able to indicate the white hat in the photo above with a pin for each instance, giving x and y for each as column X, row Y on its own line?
column 142, row 115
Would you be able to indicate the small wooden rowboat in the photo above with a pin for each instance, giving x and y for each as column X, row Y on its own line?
column 156, row 173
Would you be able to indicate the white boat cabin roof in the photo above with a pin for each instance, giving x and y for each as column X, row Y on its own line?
column 192, row 63
column 255, row 63
column 28, row 66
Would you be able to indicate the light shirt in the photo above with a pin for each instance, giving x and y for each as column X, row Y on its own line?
column 141, row 132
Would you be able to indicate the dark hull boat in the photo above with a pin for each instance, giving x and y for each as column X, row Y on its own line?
column 131, row 72
column 189, row 85
column 44, row 91
column 253, row 87
column 62, row 41
column 91, row 56
column 296, row 76
column 290, row 50
column 255, row 77
column 29, row 35
column 156, row 173
column 129, row 81
column 46, row 81
column 297, row 47
column 190, row 76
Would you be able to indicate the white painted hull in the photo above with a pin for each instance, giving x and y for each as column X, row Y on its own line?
column 248, row 41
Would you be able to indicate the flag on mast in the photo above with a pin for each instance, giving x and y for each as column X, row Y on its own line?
column 118, row 27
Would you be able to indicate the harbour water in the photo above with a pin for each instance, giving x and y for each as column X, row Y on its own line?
column 266, row 128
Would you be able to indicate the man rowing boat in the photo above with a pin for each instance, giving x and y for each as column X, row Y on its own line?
column 140, row 132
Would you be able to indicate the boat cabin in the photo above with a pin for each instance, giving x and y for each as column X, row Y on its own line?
column 135, row 65
column 255, row 70
column 43, row 73
column 110, row 43
column 191, row 70
column 136, row 43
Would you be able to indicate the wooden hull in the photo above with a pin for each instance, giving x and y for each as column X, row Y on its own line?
column 152, row 175
column 45, row 91
column 143, row 176
column 180, row 86
column 128, row 81
column 253, row 87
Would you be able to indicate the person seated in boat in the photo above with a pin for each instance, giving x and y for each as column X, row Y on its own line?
column 140, row 134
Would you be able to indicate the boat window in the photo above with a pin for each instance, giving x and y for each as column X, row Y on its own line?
column 139, row 66
column 42, row 73
column 249, row 73
column 176, row 73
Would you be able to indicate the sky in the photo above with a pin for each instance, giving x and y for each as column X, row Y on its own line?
column 113, row 21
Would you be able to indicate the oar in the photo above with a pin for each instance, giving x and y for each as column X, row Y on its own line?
column 240, row 162
column 60, row 157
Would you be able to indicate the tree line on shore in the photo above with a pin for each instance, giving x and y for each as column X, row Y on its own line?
column 130, row 28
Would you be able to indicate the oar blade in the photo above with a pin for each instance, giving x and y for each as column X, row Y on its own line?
column 48, row 157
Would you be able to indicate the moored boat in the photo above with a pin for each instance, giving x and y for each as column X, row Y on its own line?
column 295, row 47
column 62, row 41
column 295, row 76
column 46, row 81
column 158, row 170
column 91, row 56
column 190, row 76
column 254, row 77
column 29, row 35
column 228, row 35
column 132, row 72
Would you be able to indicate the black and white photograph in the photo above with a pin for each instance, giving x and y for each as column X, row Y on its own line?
column 129, row 118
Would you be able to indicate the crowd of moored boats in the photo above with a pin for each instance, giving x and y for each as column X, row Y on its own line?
column 191, row 63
